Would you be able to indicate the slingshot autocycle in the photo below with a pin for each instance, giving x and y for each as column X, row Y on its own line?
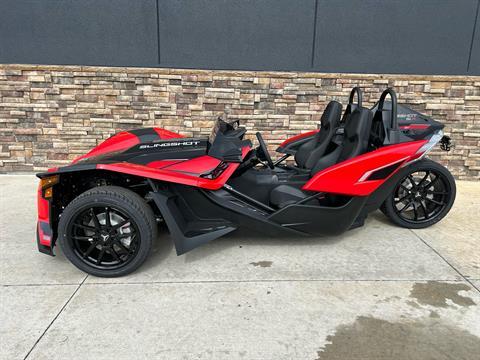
column 105, row 206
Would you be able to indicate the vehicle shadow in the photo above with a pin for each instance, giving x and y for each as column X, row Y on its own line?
column 244, row 237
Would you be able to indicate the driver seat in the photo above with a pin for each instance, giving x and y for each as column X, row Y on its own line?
column 309, row 153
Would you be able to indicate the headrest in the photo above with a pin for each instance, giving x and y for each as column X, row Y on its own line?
column 331, row 115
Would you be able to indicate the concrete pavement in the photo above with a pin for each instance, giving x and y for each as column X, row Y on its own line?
column 378, row 292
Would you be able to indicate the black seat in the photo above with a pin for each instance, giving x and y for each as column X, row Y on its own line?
column 309, row 153
column 356, row 140
column 357, row 134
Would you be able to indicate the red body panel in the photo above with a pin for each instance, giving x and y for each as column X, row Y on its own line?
column 171, row 176
column 167, row 174
column 196, row 166
column 163, row 163
column 346, row 177
column 149, row 172
column 120, row 141
column 166, row 134
column 414, row 127
column 298, row 137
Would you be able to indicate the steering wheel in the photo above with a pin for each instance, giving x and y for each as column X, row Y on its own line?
column 264, row 155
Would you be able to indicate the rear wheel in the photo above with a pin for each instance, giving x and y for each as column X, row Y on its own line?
column 422, row 197
column 107, row 231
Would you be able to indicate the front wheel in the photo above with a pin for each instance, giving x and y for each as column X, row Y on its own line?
column 107, row 231
column 422, row 197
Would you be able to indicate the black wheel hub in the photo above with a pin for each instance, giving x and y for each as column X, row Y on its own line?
column 421, row 196
column 104, row 237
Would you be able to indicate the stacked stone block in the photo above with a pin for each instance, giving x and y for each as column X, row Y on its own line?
column 51, row 114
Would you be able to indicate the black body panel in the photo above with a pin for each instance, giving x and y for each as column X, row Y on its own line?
column 188, row 229
column 196, row 216
column 144, row 153
column 319, row 220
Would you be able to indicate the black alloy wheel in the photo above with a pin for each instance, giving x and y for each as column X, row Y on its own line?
column 107, row 231
column 420, row 196
column 423, row 196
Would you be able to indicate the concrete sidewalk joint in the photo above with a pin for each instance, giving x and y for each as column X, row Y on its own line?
column 55, row 318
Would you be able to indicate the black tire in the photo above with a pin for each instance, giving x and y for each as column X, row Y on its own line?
column 128, row 208
column 422, row 197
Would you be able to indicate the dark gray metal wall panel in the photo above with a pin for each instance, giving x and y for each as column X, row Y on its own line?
column 246, row 34
column 474, row 68
column 90, row 32
column 372, row 36
column 403, row 36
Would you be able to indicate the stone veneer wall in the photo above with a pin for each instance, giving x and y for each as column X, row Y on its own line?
column 51, row 114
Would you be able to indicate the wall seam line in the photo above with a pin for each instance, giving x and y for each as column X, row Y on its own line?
column 158, row 33
column 473, row 37
column 312, row 60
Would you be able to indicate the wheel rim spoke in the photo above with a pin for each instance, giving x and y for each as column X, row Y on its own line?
column 427, row 173
column 432, row 192
column 96, row 223
column 83, row 238
column 432, row 183
column 85, row 227
column 415, row 212
column 90, row 249
column 439, row 203
column 410, row 177
column 404, row 188
column 405, row 207
column 424, row 210
column 100, row 256
column 401, row 199
column 114, row 254
column 108, row 221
